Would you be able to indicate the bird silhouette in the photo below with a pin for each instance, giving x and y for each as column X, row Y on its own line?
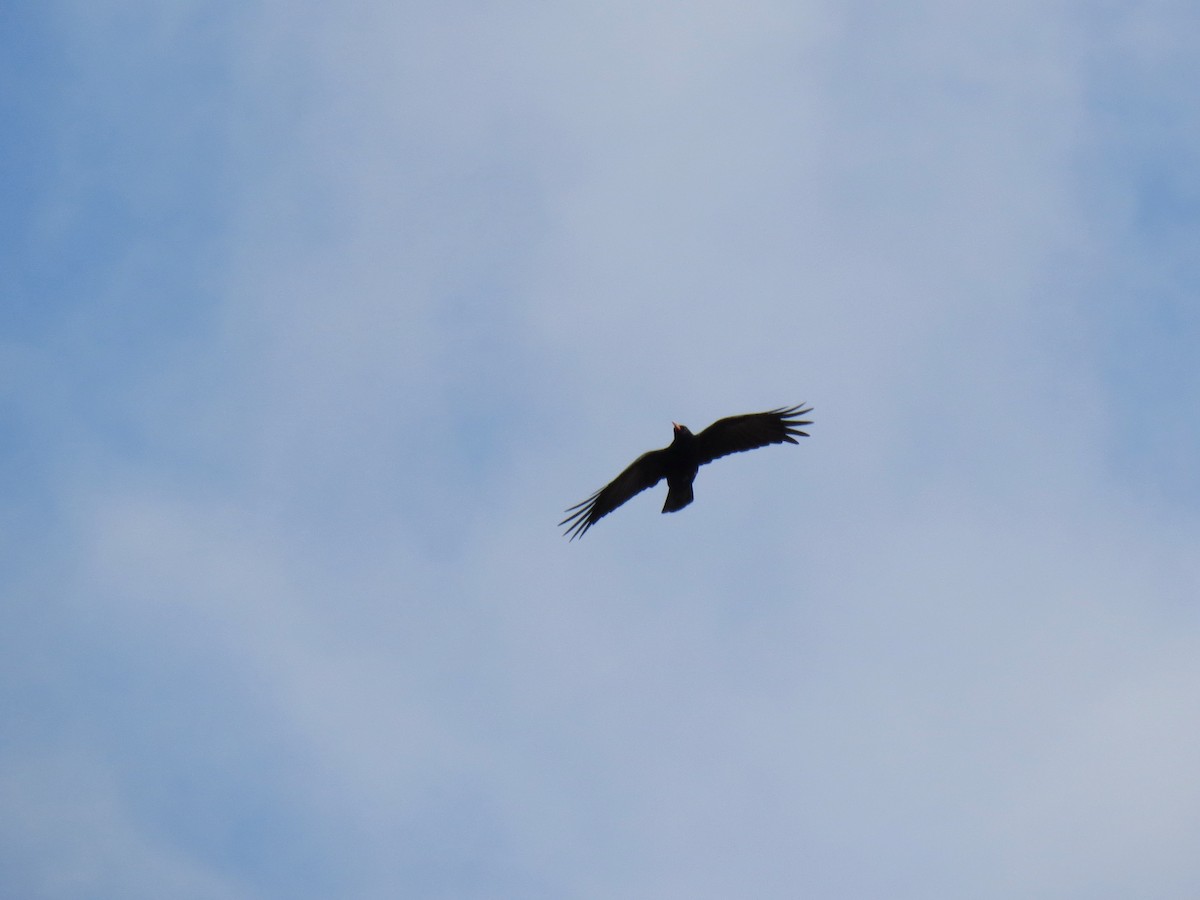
column 679, row 462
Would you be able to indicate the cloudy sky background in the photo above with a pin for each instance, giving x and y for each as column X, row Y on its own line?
column 316, row 316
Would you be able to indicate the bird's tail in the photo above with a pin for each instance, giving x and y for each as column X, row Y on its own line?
column 678, row 496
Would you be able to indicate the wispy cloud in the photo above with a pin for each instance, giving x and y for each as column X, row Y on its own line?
column 340, row 308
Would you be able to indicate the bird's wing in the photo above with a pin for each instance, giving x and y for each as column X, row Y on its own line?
column 644, row 472
column 738, row 433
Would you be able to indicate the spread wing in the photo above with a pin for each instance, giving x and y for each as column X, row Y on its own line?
column 644, row 472
column 738, row 433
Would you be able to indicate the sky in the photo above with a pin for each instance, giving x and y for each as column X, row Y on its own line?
column 317, row 316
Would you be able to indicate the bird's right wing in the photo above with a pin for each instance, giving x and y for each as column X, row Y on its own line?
column 644, row 472
column 739, row 433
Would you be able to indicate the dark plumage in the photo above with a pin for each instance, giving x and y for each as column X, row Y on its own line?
column 678, row 463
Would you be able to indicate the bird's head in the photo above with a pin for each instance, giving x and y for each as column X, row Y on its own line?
column 681, row 430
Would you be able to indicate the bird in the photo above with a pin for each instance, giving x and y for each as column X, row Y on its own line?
column 679, row 462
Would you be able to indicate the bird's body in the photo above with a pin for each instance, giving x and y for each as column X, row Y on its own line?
column 679, row 462
column 682, row 464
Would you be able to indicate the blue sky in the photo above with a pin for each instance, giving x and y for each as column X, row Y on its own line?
column 316, row 318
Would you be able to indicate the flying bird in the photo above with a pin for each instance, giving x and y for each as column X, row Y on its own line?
column 679, row 462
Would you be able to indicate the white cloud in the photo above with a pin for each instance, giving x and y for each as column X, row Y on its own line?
column 471, row 263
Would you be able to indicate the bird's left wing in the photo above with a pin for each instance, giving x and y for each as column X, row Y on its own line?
column 738, row 433
column 644, row 472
